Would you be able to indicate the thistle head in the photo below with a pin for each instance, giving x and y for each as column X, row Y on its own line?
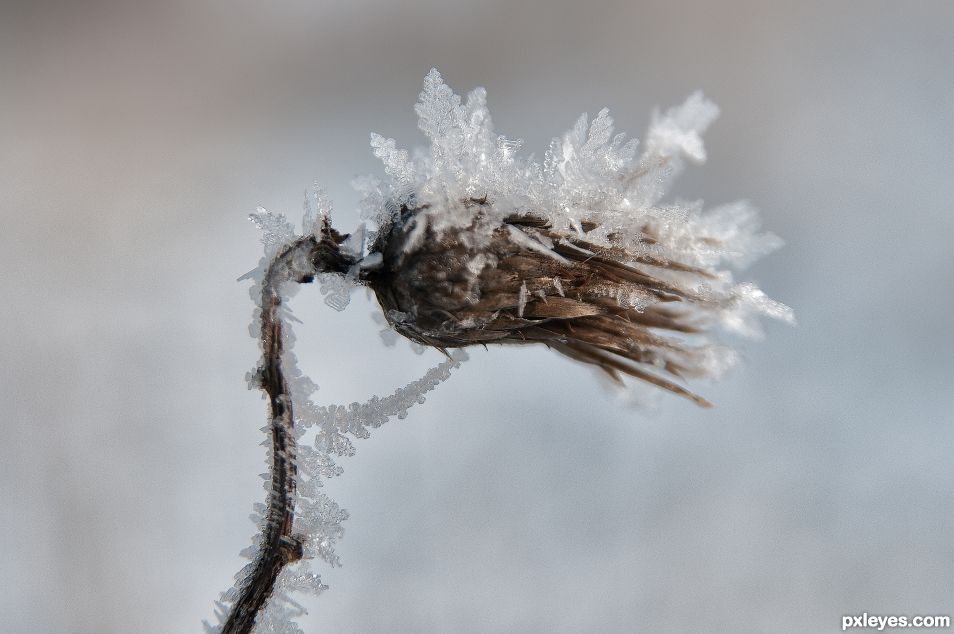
column 473, row 243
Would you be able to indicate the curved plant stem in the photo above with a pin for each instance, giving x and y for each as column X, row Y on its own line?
column 298, row 262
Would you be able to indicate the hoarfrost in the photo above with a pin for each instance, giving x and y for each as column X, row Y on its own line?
column 522, row 299
column 318, row 519
column 317, row 209
column 592, row 181
column 678, row 132
column 746, row 305
column 336, row 289
column 276, row 230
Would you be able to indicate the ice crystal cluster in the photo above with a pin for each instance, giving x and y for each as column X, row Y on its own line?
column 322, row 433
column 581, row 252
column 471, row 242
column 318, row 519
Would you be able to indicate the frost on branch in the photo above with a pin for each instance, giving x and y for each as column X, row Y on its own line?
column 316, row 519
column 470, row 242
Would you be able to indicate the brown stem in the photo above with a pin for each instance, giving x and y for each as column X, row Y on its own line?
column 298, row 262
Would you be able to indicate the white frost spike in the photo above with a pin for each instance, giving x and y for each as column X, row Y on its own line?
column 521, row 238
column 396, row 165
column 276, row 230
column 522, row 299
column 437, row 107
column 679, row 130
column 746, row 305
column 317, row 210
column 336, row 289
column 387, row 334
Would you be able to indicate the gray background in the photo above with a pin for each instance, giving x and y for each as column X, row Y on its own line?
column 522, row 496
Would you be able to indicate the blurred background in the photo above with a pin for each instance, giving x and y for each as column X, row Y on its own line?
column 522, row 497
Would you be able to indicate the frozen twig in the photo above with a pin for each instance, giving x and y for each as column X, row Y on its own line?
column 299, row 262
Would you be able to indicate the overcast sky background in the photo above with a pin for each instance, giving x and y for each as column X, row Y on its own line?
column 136, row 137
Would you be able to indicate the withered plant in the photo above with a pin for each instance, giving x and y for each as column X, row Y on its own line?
column 469, row 243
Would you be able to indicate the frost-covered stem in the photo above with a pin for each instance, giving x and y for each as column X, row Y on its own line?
column 299, row 262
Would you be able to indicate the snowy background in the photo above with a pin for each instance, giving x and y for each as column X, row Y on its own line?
column 522, row 496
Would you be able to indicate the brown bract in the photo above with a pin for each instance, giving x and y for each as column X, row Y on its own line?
column 529, row 283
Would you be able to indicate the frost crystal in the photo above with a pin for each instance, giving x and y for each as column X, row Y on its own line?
column 336, row 289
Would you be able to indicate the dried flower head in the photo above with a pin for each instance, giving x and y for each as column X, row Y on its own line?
column 472, row 244
column 475, row 244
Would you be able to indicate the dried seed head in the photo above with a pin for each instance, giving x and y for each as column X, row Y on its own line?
column 530, row 283
column 473, row 244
